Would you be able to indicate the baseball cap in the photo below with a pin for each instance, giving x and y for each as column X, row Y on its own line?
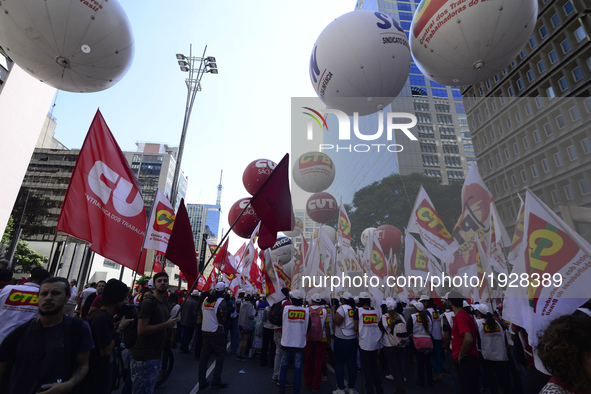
column 465, row 304
column 483, row 308
column 220, row 286
column 296, row 294
column 424, row 298
column 391, row 304
column 316, row 298
column 195, row 293
column 346, row 295
column 420, row 307
column 364, row 294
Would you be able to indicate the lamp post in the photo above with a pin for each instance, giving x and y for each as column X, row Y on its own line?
column 196, row 67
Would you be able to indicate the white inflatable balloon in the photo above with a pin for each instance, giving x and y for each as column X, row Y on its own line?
column 72, row 45
column 463, row 42
column 366, row 234
column 313, row 172
column 297, row 230
column 360, row 62
column 282, row 251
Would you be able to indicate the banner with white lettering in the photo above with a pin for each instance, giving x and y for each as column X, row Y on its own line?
column 104, row 203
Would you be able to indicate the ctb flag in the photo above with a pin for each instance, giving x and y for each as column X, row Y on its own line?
column 103, row 203
column 160, row 225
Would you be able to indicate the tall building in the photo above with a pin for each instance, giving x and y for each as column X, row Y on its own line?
column 24, row 102
column 444, row 149
column 212, row 222
column 530, row 122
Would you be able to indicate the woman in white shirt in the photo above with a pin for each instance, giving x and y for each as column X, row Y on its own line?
column 420, row 327
column 394, row 352
column 345, row 343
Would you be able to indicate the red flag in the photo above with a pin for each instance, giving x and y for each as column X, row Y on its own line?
column 210, row 280
column 158, row 266
column 272, row 204
column 181, row 247
column 104, row 204
column 201, row 282
column 222, row 262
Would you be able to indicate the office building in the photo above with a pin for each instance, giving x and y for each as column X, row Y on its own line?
column 530, row 122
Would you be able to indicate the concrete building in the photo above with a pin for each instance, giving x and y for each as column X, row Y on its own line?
column 530, row 122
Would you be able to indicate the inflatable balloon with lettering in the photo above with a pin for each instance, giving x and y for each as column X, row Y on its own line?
column 256, row 173
column 322, row 207
column 297, row 230
column 360, row 62
column 282, row 251
column 247, row 222
column 72, row 45
column 313, row 172
column 462, row 42
column 366, row 234
column 390, row 238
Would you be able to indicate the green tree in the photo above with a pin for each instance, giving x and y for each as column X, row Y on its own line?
column 142, row 280
column 27, row 258
column 390, row 201
column 7, row 236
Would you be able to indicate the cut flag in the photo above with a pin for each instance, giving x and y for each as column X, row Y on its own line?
column 104, row 203
column 272, row 204
column 181, row 246
column 222, row 262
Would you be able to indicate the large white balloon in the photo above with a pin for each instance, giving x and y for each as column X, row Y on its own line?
column 360, row 62
column 463, row 42
column 313, row 171
column 282, row 251
column 73, row 45
column 366, row 234
column 331, row 232
column 297, row 230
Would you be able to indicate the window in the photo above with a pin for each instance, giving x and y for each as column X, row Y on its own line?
column 481, row 91
column 560, row 121
column 548, row 129
column 545, row 165
column 541, row 66
column 530, row 75
column 525, row 142
column 516, row 148
column 563, row 84
column 500, row 129
column 550, row 92
column 502, row 98
column 539, row 102
column 565, row 45
column 528, row 109
column 512, row 211
column 553, row 56
column 490, row 163
column 485, row 140
column 536, row 136
column 574, row 113
column 532, row 42
column 488, row 84
column 568, row 7
column 580, row 34
column 505, row 184
column 543, row 31
column 518, row 116
column 586, row 145
column 523, row 53
column 492, row 135
column 558, row 159
column 568, row 191
column 507, row 154
column 520, row 85
column 496, row 188
column 577, row 74
column 509, row 125
column 555, row 197
column 499, row 158
column 496, row 78
column 572, row 153
column 584, row 186
column 555, row 19
column 523, row 176
column 514, row 180
column 534, row 170
column 510, row 90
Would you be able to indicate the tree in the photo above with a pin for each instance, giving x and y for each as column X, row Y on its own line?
column 142, row 280
column 24, row 256
column 390, row 201
column 7, row 236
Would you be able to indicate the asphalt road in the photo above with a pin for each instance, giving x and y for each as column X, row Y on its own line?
column 248, row 377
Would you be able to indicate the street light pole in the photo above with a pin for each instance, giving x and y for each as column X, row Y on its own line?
column 196, row 67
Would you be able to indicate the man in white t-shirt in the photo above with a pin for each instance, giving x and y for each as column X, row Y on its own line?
column 18, row 303
column 296, row 319
column 370, row 336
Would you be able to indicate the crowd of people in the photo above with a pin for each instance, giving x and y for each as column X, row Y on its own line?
column 411, row 343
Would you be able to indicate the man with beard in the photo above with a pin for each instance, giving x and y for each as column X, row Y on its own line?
column 49, row 353
column 153, row 320
column 215, row 313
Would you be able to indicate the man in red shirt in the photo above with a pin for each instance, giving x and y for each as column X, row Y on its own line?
column 463, row 344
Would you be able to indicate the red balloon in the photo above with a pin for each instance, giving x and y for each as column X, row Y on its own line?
column 256, row 173
column 390, row 238
column 322, row 207
column 247, row 222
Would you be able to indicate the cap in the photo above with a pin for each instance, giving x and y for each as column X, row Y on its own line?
column 195, row 293
column 151, row 283
column 391, row 304
column 296, row 294
column 240, row 291
column 483, row 308
column 315, row 297
column 424, row 298
column 220, row 286
column 364, row 294
column 466, row 304
column 420, row 307
column 346, row 295
column 446, row 296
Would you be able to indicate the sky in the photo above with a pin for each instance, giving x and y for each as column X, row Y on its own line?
column 242, row 114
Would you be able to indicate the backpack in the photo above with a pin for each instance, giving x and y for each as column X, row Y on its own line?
column 397, row 335
column 130, row 330
column 276, row 314
column 316, row 325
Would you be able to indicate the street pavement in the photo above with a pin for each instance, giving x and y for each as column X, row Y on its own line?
column 248, row 377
